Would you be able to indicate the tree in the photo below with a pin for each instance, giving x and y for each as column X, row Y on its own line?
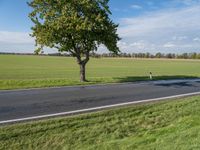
column 74, row 26
column 158, row 55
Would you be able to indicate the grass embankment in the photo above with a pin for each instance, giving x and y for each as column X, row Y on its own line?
column 162, row 125
column 39, row 71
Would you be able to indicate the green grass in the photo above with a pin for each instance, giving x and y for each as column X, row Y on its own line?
column 163, row 125
column 39, row 71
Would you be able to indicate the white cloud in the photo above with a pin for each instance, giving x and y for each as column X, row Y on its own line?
column 168, row 45
column 175, row 21
column 188, row 2
column 179, row 38
column 122, row 45
column 160, row 27
column 19, row 42
column 197, row 39
column 138, row 45
column 134, row 6
column 15, row 38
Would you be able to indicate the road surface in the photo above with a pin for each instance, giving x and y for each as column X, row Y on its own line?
column 18, row 104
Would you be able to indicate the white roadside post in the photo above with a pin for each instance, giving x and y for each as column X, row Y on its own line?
column 150, row 76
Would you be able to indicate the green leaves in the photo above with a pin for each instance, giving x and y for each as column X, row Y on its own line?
column 73, row 26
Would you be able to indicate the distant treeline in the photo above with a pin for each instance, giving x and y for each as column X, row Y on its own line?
column 149, row 55
column 127, row 55
column 50, row 54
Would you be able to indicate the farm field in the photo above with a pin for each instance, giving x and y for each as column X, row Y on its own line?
column 44, row 71
column 171, row 124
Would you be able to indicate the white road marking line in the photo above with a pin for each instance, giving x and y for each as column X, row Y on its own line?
column 96, row 108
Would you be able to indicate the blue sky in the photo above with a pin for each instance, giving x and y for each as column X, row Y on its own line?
column 145, row 26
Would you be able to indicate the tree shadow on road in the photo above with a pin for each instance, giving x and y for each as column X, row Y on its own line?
column 179, row 84
column 146, row 78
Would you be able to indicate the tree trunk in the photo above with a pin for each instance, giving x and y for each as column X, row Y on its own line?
column 82, row 72
column 82, row 64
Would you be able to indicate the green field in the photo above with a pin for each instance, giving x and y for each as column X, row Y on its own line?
column 166, row 125
column 41, row 71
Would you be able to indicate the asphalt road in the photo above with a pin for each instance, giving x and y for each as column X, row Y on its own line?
column 17, row 104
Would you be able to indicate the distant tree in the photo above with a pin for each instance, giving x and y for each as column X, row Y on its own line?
column 170, row 55
column 185, row 55
column 198, row 56
column 193, row 55
column 158, row 55
column 74, row 26
column 147, row 55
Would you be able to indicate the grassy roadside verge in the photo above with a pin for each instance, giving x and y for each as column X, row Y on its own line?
column 42, row 83
column 162, row 125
